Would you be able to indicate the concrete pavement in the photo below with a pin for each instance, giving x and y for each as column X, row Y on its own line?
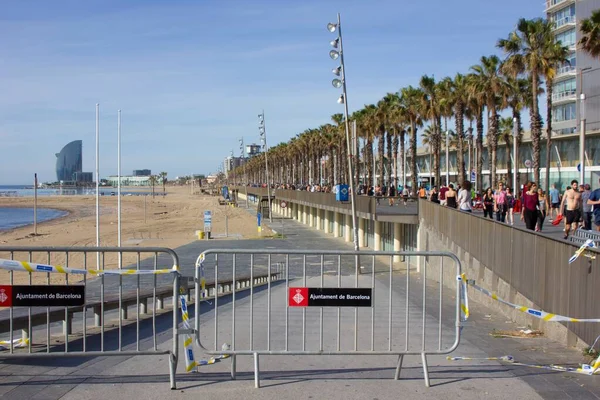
column 313, row 377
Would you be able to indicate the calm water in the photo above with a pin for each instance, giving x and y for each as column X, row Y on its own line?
column 27, row 191
column 15, row 217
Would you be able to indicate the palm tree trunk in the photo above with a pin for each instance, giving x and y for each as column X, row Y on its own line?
column 493, row 145
column 479, row 146
column 549, row 83
column 536, row 126
column 389, row 159
column 381, row 154
column 369, row 159
column 413, row 155
column 403, row 154
column 437, row 149
column 460, row 159
column 395, row 150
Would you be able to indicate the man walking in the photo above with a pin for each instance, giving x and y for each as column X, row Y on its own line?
column 554, row 201
column 573, row 214
column 594, row 201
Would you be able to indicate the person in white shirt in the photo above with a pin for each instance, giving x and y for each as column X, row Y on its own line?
column 464, row 197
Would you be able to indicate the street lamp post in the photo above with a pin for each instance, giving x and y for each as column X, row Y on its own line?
column 263, row 138
column 243, row 155
column 582, row 140
column 515, row 158
column 337, row 83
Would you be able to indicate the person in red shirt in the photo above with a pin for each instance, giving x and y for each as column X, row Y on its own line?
column 530, row 206
column 442, row 195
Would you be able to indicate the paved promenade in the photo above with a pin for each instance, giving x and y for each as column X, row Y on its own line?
column 313, row 377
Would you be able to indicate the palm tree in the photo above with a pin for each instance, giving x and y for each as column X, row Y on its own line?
column 153, row 180
column 458, row 98
column 476, row 103
column 491, row 82
column 505, row 129
column 411, row 98
column 590, row 34
column 430, row 110
column 525, row 48
column 555, row 55
column 163, row 178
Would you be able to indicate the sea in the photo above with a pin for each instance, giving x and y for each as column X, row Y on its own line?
column 13, row 217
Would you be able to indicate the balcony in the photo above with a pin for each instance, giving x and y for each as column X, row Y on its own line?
column 566, row 71
column 553, row 5
column 564, row 23
column 564, row 97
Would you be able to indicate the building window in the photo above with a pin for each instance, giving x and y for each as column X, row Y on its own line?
column 566, row 38
column 564, row 112
column 565, row 87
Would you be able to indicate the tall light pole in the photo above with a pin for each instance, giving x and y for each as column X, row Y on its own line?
column 582, row 140
column 243, row 155
column 97, row 184
column 119, row 185
column 582, row 127
column 447, row 158
column 404, row 164
column 515, row 158
column 343, row 99
column 263, row 139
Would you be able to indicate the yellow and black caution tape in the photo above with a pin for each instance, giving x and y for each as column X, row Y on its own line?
column 464, row 299
column 585, row 369
column 24, row 266
column 530, row 311
column 16, row 343
column 188, row 341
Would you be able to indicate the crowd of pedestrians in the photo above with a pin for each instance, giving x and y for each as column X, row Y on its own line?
column 577, row 206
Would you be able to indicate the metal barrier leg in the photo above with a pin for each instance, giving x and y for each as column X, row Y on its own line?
column 97, row 316
column 399, row 366
column 172, row 370
column 68, row 325
column 425, row 369
column 256, row 372
column 233, row 367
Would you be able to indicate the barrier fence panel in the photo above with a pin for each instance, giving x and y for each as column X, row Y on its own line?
column 77, row 302
column 326, row 303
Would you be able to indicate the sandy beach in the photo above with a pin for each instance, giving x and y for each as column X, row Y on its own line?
column 169, row 221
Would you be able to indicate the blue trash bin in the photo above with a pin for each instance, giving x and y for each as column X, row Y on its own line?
column 341, row 193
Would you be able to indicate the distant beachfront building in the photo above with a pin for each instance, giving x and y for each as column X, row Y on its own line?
column 113, row 180
column 252, row 149
column 142, row 172
column 69, row 161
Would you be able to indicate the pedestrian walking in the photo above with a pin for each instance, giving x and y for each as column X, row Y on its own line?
column 464, row 198
column 510, row 203
column 554, row 201
column 587, row 208
column 572, row 200
column 488, row 204
column 530, row 206
column 594, row 201
column 451, row 196
column 500, row 203
column 543, row 207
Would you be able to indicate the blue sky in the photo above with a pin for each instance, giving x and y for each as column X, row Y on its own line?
column 191, row 76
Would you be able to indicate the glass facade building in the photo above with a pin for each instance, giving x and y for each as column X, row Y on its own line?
column 69, row 161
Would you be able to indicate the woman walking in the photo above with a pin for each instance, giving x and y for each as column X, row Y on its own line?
column 464, row 198
column 543, row 207
column 510, row 202
column 451, row 196
column 488, row 204
column 530, row 206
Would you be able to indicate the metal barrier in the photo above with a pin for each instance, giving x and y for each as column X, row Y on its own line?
column 351, row 303
column 108, row 291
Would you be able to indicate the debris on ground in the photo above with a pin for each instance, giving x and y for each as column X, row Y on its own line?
column 519, row 334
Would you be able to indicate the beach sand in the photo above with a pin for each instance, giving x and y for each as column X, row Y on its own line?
column 170, row 221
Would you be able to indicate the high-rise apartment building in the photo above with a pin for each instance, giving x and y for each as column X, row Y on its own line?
column 578, row 76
